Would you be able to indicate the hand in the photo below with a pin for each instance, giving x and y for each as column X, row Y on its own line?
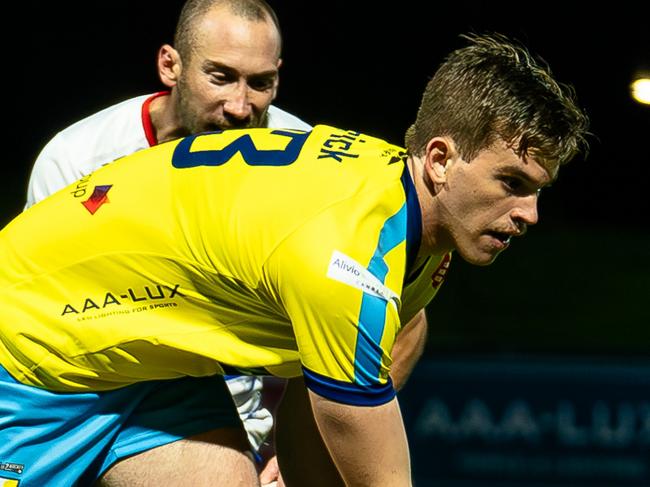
column 270, row 476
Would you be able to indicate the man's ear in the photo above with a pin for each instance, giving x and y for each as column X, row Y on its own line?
column 439, row 156
column 169, row 65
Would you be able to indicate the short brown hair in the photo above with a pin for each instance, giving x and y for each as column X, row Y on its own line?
column 494, row 89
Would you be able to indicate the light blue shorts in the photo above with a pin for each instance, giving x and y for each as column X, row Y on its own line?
column 65, row 439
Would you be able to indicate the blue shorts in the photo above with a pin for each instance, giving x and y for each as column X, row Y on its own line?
column 62, row 439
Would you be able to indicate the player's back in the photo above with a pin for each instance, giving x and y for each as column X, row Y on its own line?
column 168, row 248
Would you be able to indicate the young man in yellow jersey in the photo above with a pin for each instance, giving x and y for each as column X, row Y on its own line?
column 264, row 251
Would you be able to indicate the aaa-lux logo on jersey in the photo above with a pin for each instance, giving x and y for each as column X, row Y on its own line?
column 145, row 293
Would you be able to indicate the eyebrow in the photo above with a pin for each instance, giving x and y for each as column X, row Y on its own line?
column 209, row 65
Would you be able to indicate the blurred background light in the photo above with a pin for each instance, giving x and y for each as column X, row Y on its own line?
column 640, row 87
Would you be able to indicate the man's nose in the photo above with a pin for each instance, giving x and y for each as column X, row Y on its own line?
column 238, row 105
column 526, row 210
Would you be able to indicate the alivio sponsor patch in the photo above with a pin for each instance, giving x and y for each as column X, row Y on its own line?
column 345, row 269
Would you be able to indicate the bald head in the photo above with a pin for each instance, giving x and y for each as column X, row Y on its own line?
column 188, row 30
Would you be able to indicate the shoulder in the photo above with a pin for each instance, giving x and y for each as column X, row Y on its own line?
column 278, row 118
column 126, row 112
column 87, row 145
column 102, row 137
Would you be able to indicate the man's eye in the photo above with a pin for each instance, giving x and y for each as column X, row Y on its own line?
column 517, row 186
column 218, row 80
column 512, row 184
column 261, row 84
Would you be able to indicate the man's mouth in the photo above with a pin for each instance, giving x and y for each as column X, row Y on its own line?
column 502, row 237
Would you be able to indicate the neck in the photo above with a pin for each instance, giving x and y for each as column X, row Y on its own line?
column 164, row 118
column 432, row 242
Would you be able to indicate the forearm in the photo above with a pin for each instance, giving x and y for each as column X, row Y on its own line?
column 367, row 443
column 408, row 349
column 302, row 456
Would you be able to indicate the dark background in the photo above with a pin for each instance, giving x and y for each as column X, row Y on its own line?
column 578, row 284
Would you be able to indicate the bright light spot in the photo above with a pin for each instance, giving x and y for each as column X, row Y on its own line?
column 641, row 90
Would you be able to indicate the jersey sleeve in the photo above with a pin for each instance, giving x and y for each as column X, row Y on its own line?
column 87, row 145
column 338, row 279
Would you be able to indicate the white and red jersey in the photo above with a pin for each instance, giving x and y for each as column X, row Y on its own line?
column 115, row 132
column 107, row 135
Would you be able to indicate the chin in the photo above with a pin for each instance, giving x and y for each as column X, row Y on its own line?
column 478, row 258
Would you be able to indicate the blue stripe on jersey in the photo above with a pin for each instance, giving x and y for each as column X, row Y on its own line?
column 414, row 221
column 347, row 393
column 372, row 317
